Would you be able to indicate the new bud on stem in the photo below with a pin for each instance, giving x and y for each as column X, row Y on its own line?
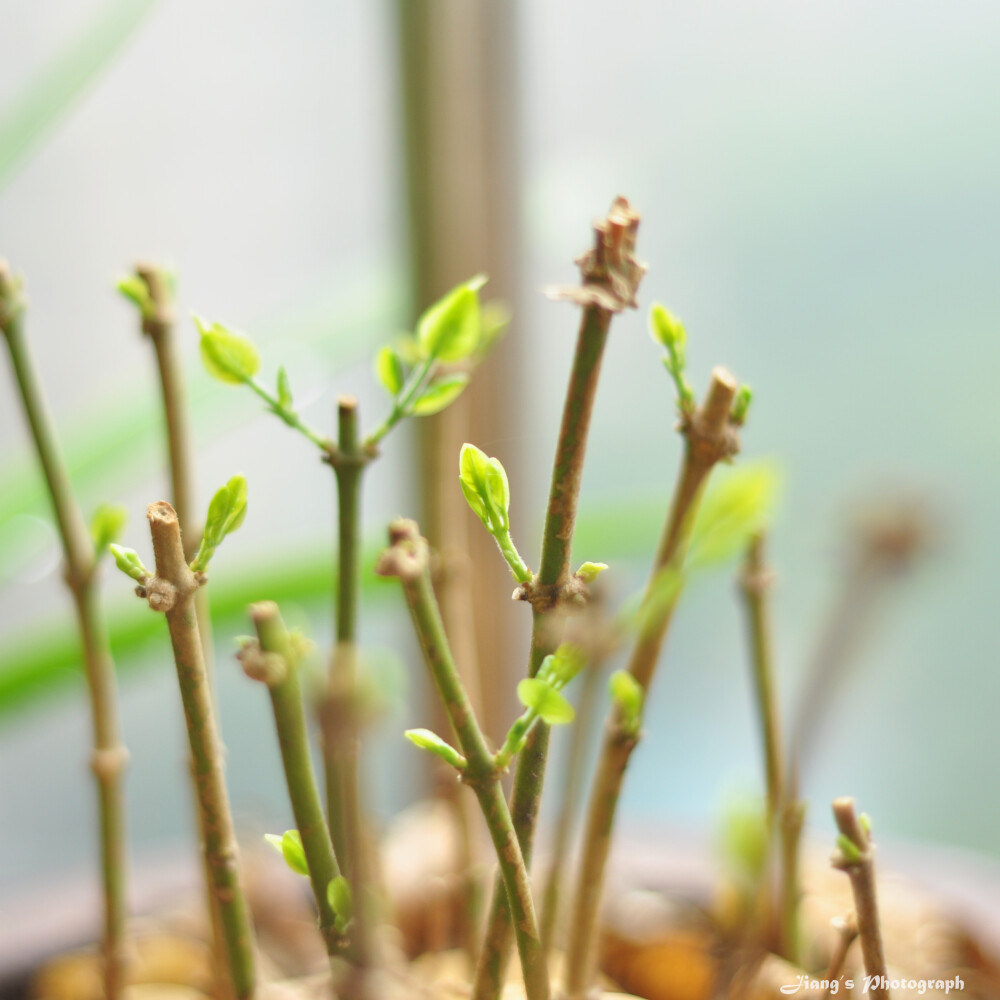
column 487, row 491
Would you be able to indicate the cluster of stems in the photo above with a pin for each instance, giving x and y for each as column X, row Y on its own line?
column 80, row 563
column 709, row 438
column 407, row 559
column 332, row 840
column 880, row 549
column 611, row 275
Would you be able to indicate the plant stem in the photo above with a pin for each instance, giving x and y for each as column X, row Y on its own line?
column 307, row 808
column 708, row 438
column 847, row 932
column 580, row 733
column 158, row 325
column 611, row 276
column 173, row 592
column 407, row 558
column 785, row 814
column 289, row 416
column 339, row 710
column 861, row 872
column 755, row 583
column 109, row 757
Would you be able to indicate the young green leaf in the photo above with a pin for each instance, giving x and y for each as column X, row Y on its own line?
column 590, row 571
column 494, row 320
column 389, row 370
column 560, row 667
column 667, row 330
column 128, row 561
column 289, row 846
column 848, row 849
column 487, row 491
column 498, row 490
column 284, row 389
column 427, row 740
column 741, row 405
column 627, row 694
column 472, row 465
column 544, row 699
column 738, row 506
column 227, row 355
column 338, row 895
column 106, row 525
column 439, row 394
column 450, row 329
column 136, row 291
column 226, row 513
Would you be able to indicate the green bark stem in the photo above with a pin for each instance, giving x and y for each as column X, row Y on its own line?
column 755, row 583
column 708, row 438
column 571, row 787
column 109, row 756
column 173, row 591
column 158, row 326
column 341, row 738
column 610, row 278
column 293, row 740
column 407, row 558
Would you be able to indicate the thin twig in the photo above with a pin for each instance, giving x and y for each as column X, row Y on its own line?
column 709, row 437
column 284, row 684
column 571, row 785
column 784, row 815
column 338, row 713
column 109, row 755
column 855, row 857
column 158, row 325
column 407, row 558
column 610, row 279
column 172, row 591
column 755, row 583
column 847, row 931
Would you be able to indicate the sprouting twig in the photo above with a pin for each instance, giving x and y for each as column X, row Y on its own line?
column 276, row 662
column 151, row 291
column 338, row 713
column 109, row 756
column 407, row 558
column 610, row 279
column 172, row 591
column 710, row 437
column 855, row 856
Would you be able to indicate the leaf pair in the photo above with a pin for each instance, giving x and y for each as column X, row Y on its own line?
column 486, row 488
column 338, row 892
column 542, row 695
column 433, row 399
column 668, row 331
column 226, row 513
